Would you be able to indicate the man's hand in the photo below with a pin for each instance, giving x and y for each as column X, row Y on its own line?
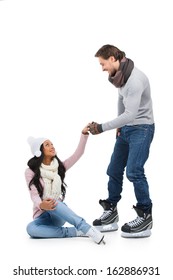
column 95, row 128
column 118, row 132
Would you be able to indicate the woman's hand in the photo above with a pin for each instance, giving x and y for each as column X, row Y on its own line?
column 48, row 204
column 86, row 129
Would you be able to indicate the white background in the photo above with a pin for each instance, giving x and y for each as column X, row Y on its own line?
column 52, row 85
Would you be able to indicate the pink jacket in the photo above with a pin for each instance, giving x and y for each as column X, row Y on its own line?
column 68, row 163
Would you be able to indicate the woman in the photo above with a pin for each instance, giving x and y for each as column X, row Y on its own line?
column 45, row 179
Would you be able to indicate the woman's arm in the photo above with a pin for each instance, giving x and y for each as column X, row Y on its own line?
column 45, row 204
column 69, row 162
column 33, row 191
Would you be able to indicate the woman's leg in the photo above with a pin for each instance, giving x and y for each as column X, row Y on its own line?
column 64, row 213
column 43, row 227
column 50, row 223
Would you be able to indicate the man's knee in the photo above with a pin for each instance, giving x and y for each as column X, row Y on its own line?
column 130, row 176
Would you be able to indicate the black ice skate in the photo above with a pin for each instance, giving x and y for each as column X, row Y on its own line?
column 140, row 227
column 109, row 218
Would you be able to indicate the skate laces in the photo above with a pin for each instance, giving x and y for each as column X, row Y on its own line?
column 137, row 222
column 105, row 214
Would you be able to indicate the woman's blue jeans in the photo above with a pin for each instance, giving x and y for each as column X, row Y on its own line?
column 131, row 152
column 50, row 224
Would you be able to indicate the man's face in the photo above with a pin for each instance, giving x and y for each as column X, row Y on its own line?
column 110, row 65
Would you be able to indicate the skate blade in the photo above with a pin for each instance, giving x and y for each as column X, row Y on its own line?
column 142, row 234
column 107, row 228
column 102, row 241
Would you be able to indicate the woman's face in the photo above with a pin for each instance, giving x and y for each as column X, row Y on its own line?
column 48, row 149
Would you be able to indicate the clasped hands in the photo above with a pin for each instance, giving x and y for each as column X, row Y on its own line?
column 93, row 128
column 48, row 204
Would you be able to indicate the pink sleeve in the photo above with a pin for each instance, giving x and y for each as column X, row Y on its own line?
column 69, row 162
column 33, row 191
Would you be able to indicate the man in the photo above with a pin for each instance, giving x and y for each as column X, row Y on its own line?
column 135, row 131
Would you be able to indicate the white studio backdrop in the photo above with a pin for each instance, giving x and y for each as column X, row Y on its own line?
column 52, row 85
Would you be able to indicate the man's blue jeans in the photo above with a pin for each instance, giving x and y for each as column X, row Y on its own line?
column 131, row 152
column 50, row 224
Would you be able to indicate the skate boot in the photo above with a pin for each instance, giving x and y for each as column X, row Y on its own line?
column 79, row 233
column 140, row 227
column 109, row 218
column 96, row 235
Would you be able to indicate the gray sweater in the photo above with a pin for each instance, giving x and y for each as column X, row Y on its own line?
column 134, row 102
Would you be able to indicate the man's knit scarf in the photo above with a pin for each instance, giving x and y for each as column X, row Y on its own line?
column 52, row 180
column 123, row 73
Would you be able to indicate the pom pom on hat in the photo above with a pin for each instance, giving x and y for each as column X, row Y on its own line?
column 35, row 144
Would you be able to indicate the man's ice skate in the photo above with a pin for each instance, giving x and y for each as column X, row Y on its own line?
column 109, row 218
column 140, row 227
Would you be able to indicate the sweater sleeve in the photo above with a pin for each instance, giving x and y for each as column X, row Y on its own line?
column 121, row 108
column 33, row 191
column 69, row 162
column 131, row 104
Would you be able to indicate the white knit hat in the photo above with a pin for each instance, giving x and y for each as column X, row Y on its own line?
column 35, row 144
